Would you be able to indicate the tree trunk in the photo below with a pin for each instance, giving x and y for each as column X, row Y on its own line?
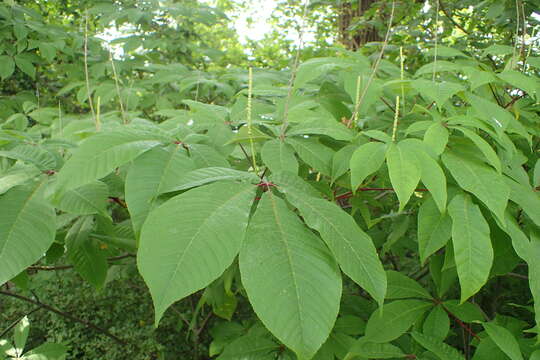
column 349, row 12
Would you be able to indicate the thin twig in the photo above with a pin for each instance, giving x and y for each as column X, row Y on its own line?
column 461, row 323
column 65, row 315
column 449, row 16
column 13, row 324
column 66, row 267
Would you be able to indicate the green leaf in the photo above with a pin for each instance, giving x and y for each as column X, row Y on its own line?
column 439, row 92
column 436, row 138
column 401, row 287
column 27, row 230
column 278, row 156
column 102, row 153
column 86, row 200
column 25, row 66
column 84, row 253
column 517, row 79
column 396, row 318
column 484, row 147
column 20, row 334
column 315, row 154
column 341, row 161
column 479, row 179
column 404, row 170
column 187, row 242
column 352, row 248
column 250, row 347
column 151, row 174
column 289, row 302
column 372, row 350
column 473, row 252
column 206, row 175
column 442, row 350
column 47, row 351
column 504, row 339
column 206, row 156
column 7, row 66
column 437, row 323
column 525, row 197
column 366, row 160
column 333, row 129
column 32, row 154
column 434, row 229
column 17, row 175
column 432, row 174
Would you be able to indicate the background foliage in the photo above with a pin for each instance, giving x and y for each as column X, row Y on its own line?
column 396, row 144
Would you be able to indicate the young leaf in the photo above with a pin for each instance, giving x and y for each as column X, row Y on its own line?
column 473, row 252
column 434, row 229
column 187, row 242
column 479, row 179
column 396, row 318
column 367, row 159
column 290, row 302
column 404, row 170
column 504, row 339
column 442, row 350
column 279, row 156
column 153, row 173
column 353, row 248
column 102, row 153
column 85, row 255
column 27, row 230
column 341, row 161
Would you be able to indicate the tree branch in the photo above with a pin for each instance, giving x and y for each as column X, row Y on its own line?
column 64, row 314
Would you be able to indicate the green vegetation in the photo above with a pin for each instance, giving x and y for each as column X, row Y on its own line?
column 361, row 183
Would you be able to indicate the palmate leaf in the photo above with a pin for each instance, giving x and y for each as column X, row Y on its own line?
column 152, row 173
column 291, row 279
column 27, row 229
column 353, row 248
column 473, row 251
column 102, row 153
column 187, row 242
